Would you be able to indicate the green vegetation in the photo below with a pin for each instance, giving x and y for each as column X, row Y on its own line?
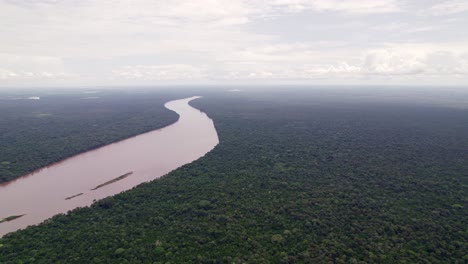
column 68, row 125
column 121, row 177
column 296, row 178
column 10, row 218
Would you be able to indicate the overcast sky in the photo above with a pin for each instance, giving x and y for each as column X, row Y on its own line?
column 151, row 42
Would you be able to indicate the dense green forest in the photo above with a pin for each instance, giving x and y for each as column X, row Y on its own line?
column 297, row 178
column 35, row 133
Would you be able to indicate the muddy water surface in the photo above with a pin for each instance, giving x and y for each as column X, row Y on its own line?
column 43, row 193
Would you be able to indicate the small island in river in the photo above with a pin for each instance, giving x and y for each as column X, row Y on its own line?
column 73, row 196
column 121, row 177
column 10, row 218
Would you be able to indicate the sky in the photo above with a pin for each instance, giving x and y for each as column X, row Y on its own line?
column 159, row 42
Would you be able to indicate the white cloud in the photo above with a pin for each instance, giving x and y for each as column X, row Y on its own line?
column 401, row 61
column 31, row 63
column 448, row 63
column 390, row 62
column 17, row 67
column 7, row 74
column 449, row 7
column 172, row 72
column 349, row 6
column 142, row 41
column 340, row 68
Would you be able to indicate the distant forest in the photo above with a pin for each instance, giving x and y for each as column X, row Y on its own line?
column 298, row 177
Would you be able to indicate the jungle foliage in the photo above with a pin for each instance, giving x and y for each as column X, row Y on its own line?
column 295, row 179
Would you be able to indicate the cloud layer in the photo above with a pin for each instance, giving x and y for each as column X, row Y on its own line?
column 65, row 42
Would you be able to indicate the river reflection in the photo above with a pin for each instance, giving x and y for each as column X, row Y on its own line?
column 43, row 193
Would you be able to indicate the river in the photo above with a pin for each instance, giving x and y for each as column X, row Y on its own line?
column 42, row 194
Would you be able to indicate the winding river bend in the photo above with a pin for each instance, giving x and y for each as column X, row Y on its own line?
column 108, row 170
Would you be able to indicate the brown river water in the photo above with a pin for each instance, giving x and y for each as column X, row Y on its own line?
column 42, row 194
